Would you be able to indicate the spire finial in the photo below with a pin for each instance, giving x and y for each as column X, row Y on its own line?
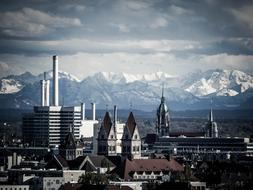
column 162, row 98
column 163, row 90
column 211, row 112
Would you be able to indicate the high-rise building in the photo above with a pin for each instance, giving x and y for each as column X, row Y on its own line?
column 163, row 118
column 49, row 124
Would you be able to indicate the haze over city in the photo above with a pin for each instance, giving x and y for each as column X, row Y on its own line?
column 131, row 36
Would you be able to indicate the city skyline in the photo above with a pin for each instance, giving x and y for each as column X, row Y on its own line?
column 132, row 36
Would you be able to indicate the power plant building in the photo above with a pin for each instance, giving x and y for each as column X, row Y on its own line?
column 49, row 125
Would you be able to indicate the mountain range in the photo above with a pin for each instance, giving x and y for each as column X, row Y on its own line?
column 228, row 89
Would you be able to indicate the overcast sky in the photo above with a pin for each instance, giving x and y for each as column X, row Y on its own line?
column 133, row 36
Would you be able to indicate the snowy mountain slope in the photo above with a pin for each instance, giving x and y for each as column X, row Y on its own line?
column 194, row 91
column 62, row 74
column 129, row 78
column 221, row 83
column 9, row 86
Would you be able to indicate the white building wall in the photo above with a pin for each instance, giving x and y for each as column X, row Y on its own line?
column 119, row 134
column 87, row 128
column 50, row 183
column 13, row 187
column 72, row 176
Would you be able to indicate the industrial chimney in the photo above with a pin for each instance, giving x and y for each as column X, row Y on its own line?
column 82, row 111
column 42, row 82
column 47, row 87
column 55, row 81
column 93, row 106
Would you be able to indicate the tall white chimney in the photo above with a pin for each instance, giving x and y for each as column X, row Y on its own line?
column 42, row 82
column 47, row 87
column 93, row 106
column 82, row 111
column 55, row 81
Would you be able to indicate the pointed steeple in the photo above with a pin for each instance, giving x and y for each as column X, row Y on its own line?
column 211, row 112
column 162, row 98
column 131, row 124
column 107, row 123
column 211, row 115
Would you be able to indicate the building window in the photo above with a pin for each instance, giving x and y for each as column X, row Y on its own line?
column 57, row 181
column 135, row 136
column 111, row 136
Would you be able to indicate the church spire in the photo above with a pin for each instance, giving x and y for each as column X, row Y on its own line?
column 211, row 115
column 211, row 112
column 162, row 98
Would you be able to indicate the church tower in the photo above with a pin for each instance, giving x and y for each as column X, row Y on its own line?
column 211, row 127
column 163, row 118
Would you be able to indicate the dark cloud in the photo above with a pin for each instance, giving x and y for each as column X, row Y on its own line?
column 39, row 27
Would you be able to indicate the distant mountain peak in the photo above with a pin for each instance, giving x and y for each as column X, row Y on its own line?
column 128, row 78
column 222, row 82
column 62, row 74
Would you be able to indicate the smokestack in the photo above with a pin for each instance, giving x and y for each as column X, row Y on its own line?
column 47, row 87
column 55, row 81
column 115, row 115
column 82, row 111
column 93, row 106
column 42, row 92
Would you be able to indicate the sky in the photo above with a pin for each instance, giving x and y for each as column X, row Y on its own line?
column 131, row 36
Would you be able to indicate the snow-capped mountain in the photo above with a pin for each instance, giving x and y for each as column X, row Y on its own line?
column 221, row 83
column 9, row 86
column 193, row 91
column 62, row 75
column 128, row 78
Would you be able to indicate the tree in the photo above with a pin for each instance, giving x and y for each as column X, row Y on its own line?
column 93, row 179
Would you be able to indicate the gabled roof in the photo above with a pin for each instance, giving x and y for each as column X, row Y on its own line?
column 107, row 123
column 70, row 142
column 131, row 124
column 147, row 165
column 101, row 161
column 57, row 162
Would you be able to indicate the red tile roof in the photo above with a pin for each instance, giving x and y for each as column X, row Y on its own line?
column 149, row 165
